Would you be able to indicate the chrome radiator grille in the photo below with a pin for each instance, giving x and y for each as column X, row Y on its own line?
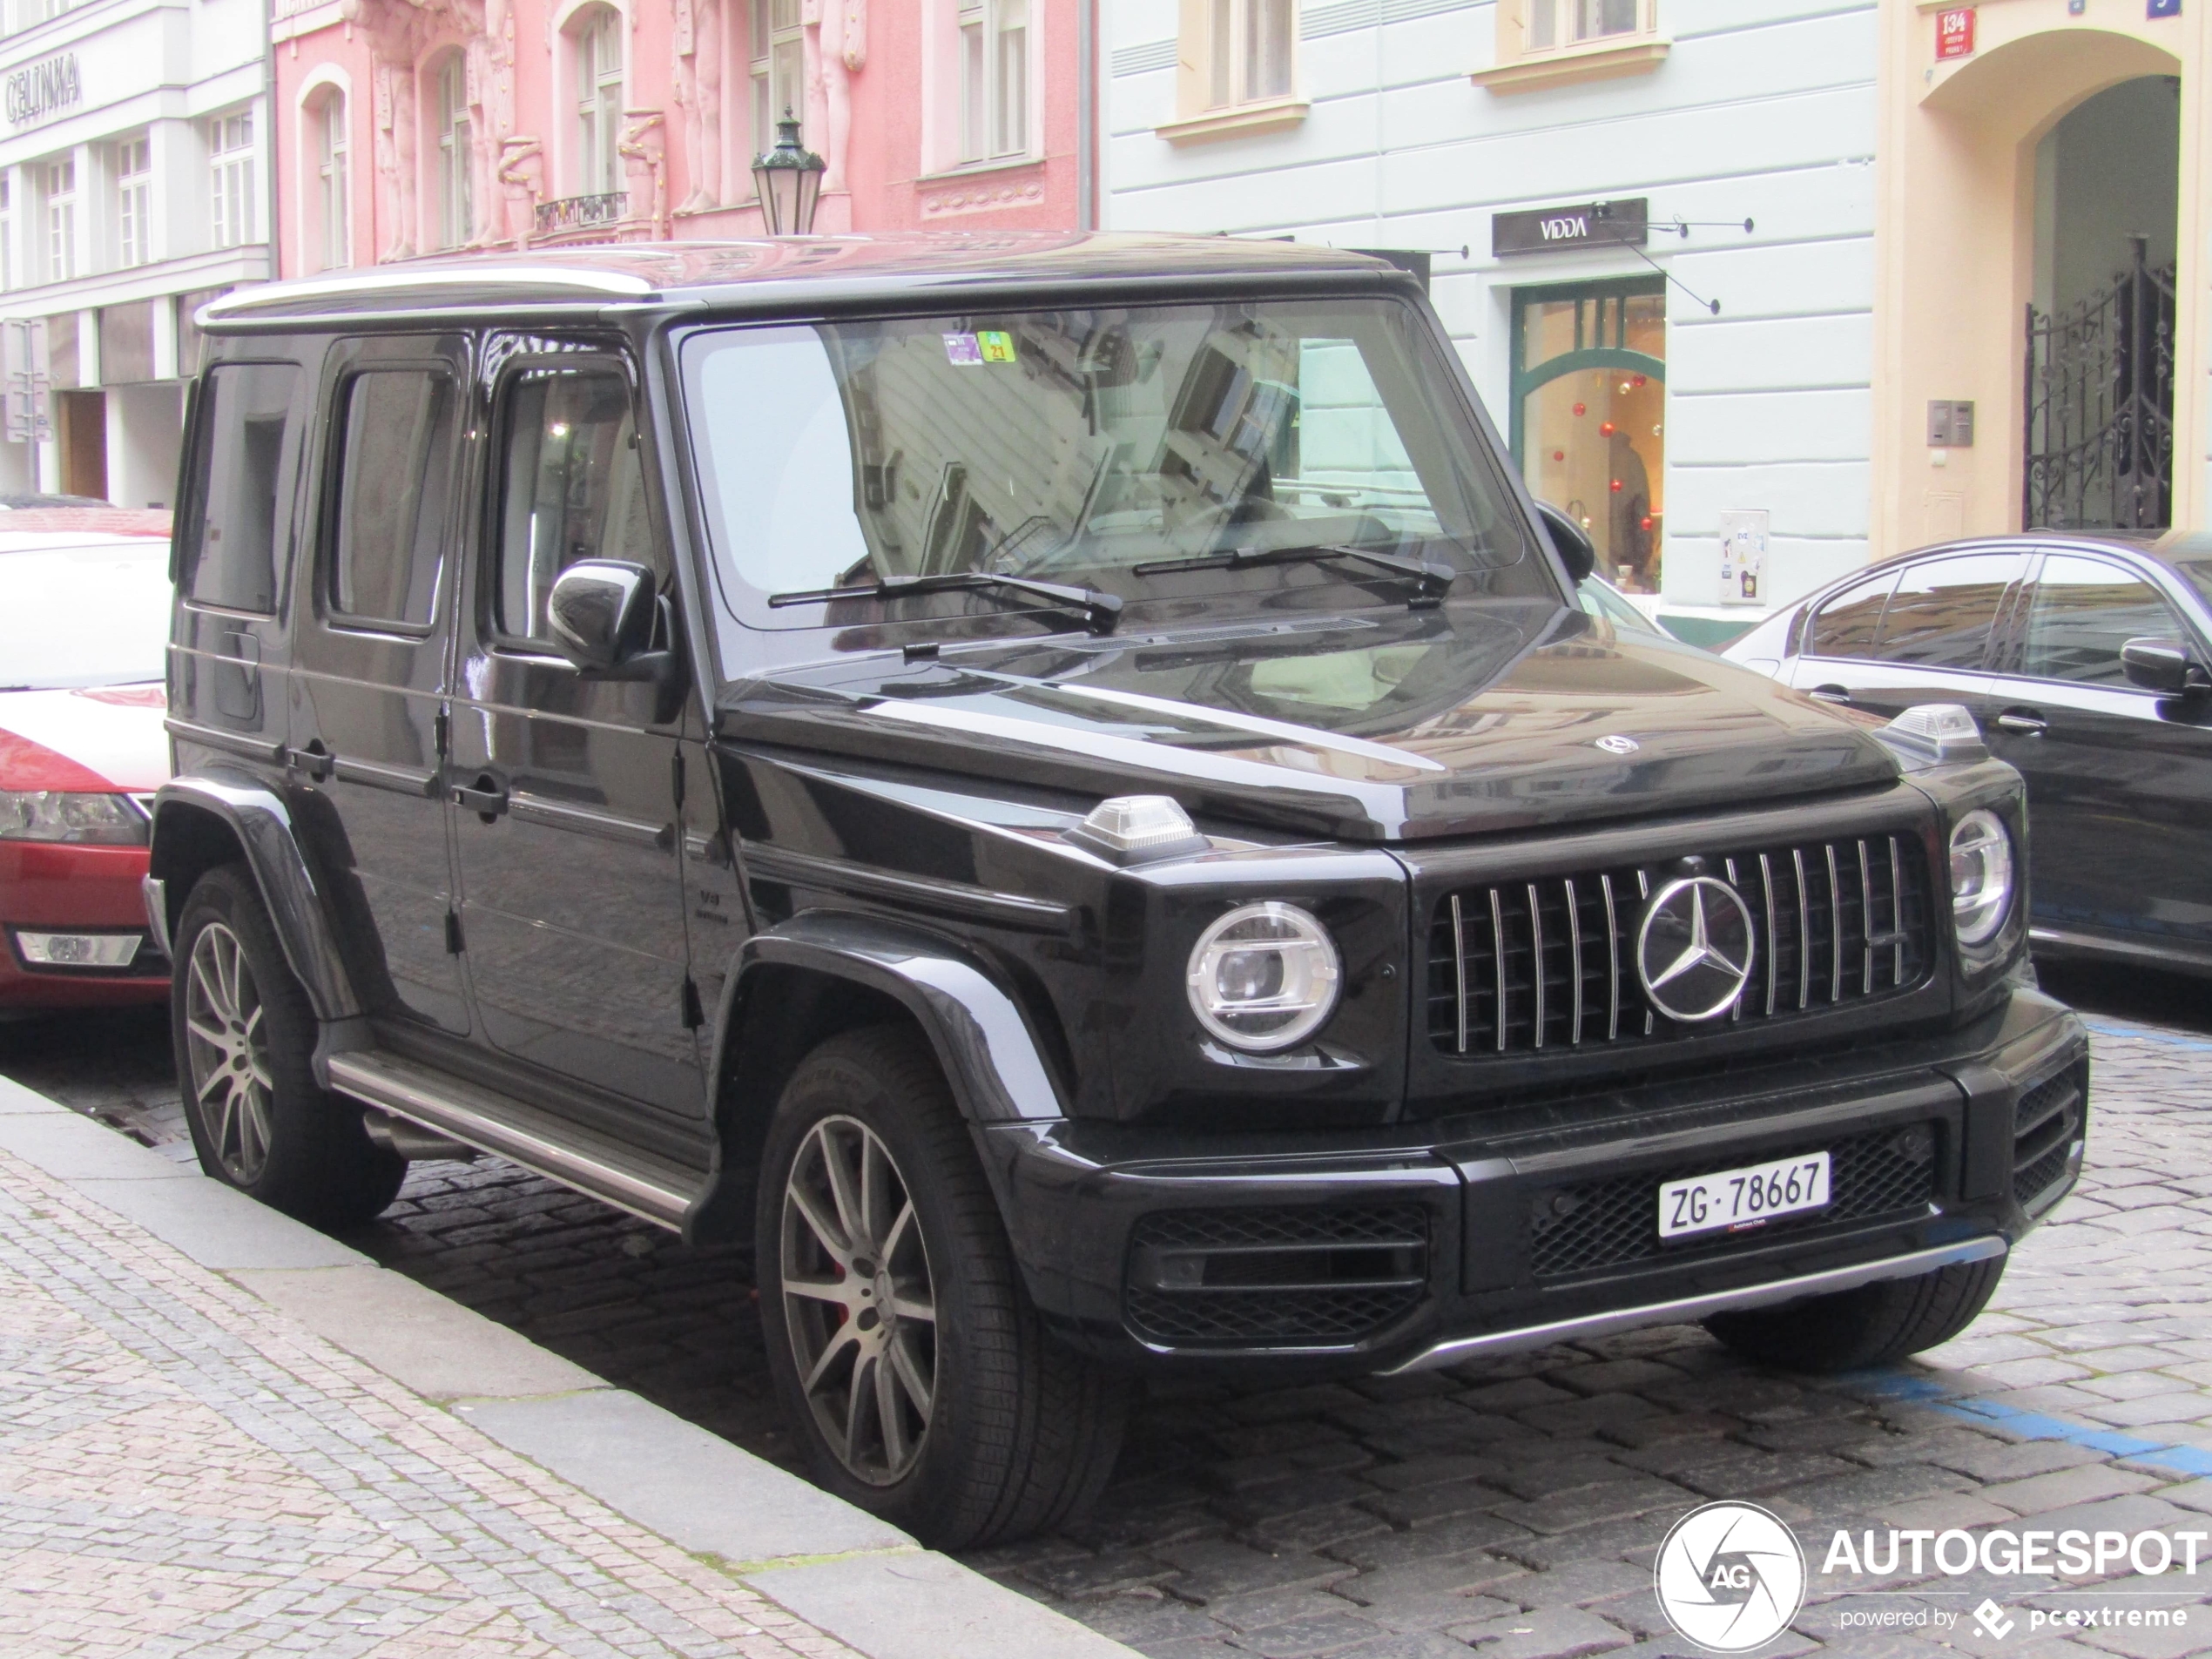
column 1528, row 966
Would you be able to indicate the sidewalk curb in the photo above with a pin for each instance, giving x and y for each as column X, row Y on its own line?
column 825, row 1561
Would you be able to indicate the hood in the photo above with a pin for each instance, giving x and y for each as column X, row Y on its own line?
column 1405, row 726
column 113, row 733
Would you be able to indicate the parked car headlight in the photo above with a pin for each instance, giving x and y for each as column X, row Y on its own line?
column 59, row 815
column 1264, row 977
column 1981, row 877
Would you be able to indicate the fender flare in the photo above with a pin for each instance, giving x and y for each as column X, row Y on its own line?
column 996, row 1069
column 261, row 824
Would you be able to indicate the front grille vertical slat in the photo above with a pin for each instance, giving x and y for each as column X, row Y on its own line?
column 1612, row 963
column 1498, row 946
column 1536, row 958
column 1459, row 966
column 1766, row 894
column 1575, row 963
column 1872, row 934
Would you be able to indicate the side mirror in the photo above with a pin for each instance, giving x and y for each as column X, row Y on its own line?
column 601, row 612
column 1570, row 540
column 2163, row 666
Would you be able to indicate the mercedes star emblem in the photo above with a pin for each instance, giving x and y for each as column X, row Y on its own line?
column 1614, row 744
column 1694, row 949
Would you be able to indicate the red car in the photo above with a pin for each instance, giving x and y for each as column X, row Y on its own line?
column 84, row 622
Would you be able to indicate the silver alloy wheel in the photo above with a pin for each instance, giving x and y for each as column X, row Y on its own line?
column 858, row 1299
column 226, row 1039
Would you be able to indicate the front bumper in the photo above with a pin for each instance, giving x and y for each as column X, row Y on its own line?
column 47, row 888
column 1391, row 1249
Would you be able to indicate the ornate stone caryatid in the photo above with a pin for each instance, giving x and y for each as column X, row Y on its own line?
column 522, row 186
column 697, row 45
column 836, row 36
column 395, row 158
column 644, row 148
column 400, row 34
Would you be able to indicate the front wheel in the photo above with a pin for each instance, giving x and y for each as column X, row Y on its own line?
column 902, row 1342
column 244, row 1036
column 1874, row 1324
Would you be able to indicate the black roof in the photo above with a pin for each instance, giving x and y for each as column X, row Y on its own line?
column 806, row 274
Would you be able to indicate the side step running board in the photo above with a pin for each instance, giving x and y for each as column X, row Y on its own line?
column 506, row 1127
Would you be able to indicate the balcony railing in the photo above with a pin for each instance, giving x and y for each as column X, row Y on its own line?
column 580, row 212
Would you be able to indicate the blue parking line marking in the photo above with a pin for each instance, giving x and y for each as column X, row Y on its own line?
column 2033, row 1425
column 2146, row 1033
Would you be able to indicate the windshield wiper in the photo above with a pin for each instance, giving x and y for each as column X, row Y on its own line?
column 1099, row 611
column 1434, row 577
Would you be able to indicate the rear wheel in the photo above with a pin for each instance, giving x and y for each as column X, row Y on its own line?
column 902, row 1343
column 1874, row 1324
column 244, row 1036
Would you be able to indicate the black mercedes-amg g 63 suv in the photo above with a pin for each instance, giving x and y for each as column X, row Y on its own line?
column 1057, row 785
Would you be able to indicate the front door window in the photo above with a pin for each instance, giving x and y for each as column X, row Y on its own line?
column 1589, row 413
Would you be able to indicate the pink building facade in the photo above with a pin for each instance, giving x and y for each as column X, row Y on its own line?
column 409, row 127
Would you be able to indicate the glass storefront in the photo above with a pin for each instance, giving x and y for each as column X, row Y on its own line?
column 1589, row 371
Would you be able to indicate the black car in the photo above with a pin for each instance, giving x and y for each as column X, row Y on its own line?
column 2084, row 658
column 1055, row 785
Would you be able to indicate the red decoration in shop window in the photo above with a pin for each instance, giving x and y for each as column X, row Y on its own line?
column 1580, row 409
column 1645, row 522
column 1605, row 430
column 1559, row 455
column 1616, row 486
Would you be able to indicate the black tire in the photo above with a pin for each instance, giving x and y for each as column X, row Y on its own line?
column 1874, row 1324
column 244, row 1035
column 1020, row 1433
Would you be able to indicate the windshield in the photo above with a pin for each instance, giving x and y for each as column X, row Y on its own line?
column 2199, row 574
column 83, row 615
column 1128, row 451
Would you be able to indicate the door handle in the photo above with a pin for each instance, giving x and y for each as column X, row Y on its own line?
column 487, row 797
column 1830, row 693
column 2025, row 723
column 317, row 762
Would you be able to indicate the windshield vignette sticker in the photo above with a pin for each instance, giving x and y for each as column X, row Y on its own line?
column 962, row 351
column 997, row 345
column 988, row 345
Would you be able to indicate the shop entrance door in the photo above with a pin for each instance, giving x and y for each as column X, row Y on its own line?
column 1589, row 376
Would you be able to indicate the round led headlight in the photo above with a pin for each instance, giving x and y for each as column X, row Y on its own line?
column 1981, row 877
column 1264, row 977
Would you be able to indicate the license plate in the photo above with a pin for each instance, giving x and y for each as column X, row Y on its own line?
column 1736, row 1199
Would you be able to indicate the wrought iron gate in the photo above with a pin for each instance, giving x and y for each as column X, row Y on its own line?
column 2100, row 406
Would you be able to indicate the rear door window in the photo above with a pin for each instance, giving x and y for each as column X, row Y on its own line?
column 245, row 447
column 2082, row 611
column 395, row 490
column 1848, row 625
column 1943, row 611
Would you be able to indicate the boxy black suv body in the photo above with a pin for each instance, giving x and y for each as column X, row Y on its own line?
column 1056, row 786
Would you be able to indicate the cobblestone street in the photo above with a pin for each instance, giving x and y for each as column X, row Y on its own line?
column 1513, row 1505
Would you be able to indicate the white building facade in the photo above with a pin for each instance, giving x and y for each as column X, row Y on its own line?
column 134, row 188
column 1596, row 160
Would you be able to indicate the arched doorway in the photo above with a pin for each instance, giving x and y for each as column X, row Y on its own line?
column 2098, row 422
column 1589, row 428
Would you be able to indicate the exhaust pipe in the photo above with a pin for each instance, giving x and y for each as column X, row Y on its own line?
column 413, row 1141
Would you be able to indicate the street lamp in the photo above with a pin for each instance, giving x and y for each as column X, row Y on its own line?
column 789, row 179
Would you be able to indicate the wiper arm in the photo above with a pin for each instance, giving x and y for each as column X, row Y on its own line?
column 1434, row 577
column 1099, row 611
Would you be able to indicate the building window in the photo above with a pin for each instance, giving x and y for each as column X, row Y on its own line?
column 777, row 52
column 1552, row 23
column 58, row 178
column 993, row 79
column 598, row 58
column 7, row 227
column 456, row 204
column 133, row 201
column 1247, row 48
column 333, row 225
column 230, row 144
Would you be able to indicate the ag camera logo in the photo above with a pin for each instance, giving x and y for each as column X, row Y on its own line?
column 1730, row 1576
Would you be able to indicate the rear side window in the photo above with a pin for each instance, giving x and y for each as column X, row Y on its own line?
column 573, row 488
column 395, row 487
column 2084, row 611
column 245, row 442
column 1943, row 610
column 1849, row 624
